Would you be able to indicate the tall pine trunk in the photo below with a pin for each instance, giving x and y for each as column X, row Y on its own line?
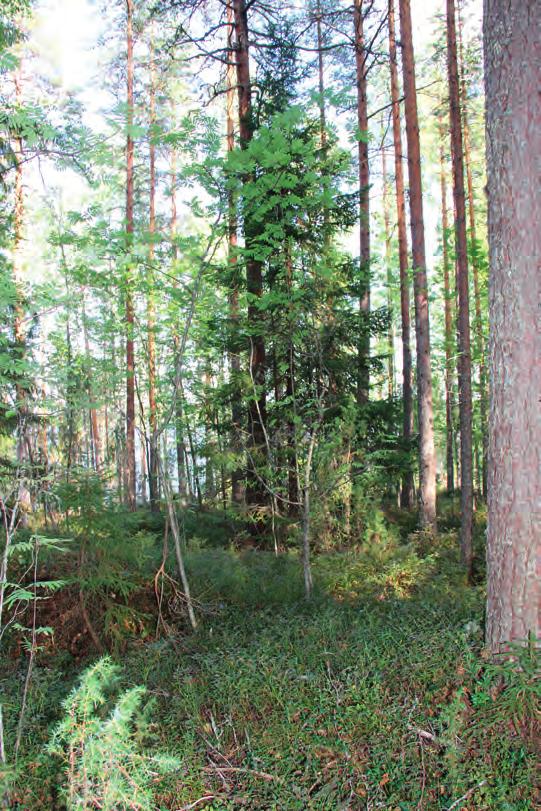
column 449, row 342
column 97, row 458
column 151, row 304
column 237, row 477
column 427, row 454
column 474, row 253
column 389, row 278
column 130, row 313
column 19, row 331
column 255, row 494
column 463, row 288
column 321, row 78
column 181, row 454
column 363, row 379
column 407, row 491
column 512, row 37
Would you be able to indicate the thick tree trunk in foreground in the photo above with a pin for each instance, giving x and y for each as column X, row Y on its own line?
column 363, row 381
column 427, row 455
column 463, row 316
column 407, row 492
column 512, row 36
column 130, row 314
column 255, row 494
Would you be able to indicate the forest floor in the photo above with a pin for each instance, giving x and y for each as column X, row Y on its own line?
column 375, row 695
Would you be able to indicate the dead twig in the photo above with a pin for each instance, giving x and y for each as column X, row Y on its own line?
column 197, row 802
column 466, row 795
column 239, row 770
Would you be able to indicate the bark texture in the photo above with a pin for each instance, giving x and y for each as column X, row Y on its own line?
column 407, row 492
column 463, row 315
column 255, row 494
column 237, row 476
column 389, row 276
column 474, row 252
column 427, row 455
column 363, row 382
column 449, row 427
column 512, row 37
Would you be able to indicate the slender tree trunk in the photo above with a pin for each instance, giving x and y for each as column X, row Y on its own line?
column 19, row 331
column 210, row 486
column 321, row 79
column 182, row 470
column 292, row 460
column 449, row 427
column 151, row 304
column 306, row 517
column 389, row 278
column 191, row 445
column 130, row 313
column 237, row 477
column 97, row 456
column 463, row 317
column 427, row 454
column 143, row 464
column 363, row 380
column 512, row 37
column 255, row 494
column 407, row 492
column 42, row 439
column 70, row 409
column 480, row 342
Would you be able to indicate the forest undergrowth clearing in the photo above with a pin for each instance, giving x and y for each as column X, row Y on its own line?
column 376, row 694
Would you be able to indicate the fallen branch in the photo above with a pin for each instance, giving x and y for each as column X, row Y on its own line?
column 240, row 770
column 196, row 802
column 466, row 795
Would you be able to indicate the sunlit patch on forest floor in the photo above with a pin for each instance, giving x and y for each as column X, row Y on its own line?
column 376, row 694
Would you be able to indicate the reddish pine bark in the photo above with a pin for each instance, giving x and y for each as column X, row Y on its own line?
column 237, row 477
column 463, row 289
column 480, row 341
column 130, row 314
column 363, row 380
column 255, row 494
column 407, row 492
column 387, row 230
column 427, row 455
column 512, row 37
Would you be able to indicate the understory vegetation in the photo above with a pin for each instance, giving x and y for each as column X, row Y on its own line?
column 376, row 693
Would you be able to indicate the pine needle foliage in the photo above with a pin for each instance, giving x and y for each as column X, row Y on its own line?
column 100, row 741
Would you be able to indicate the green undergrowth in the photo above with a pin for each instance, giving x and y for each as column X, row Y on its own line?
column 376, row 694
